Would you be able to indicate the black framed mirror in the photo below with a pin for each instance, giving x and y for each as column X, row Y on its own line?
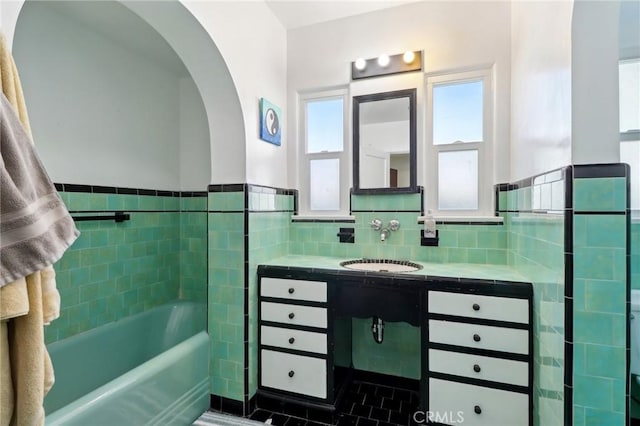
column 384, row 143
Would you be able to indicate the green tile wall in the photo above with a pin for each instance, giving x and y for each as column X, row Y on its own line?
column 268, row 217
column 193, row 254
column 226, row 295
column 600, row 295
column 268, row 239
column 398, row 354
column 536, row 250
column 635, row 251
column 117, row 269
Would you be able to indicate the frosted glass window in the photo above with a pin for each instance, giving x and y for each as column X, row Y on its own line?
column 458, row 180
column 324, row 182
column 629, row 82
column 457, row 112
column 630, row 154
column 325, row 125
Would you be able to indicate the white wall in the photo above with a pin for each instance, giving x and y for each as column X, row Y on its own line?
column 101, row 114
column 453, row 35
column 540, row 87
column 595, row 105
column 195, row 165
column 253, row 44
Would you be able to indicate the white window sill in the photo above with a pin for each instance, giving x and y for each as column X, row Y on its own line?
column 470, row 220
column 322, row 218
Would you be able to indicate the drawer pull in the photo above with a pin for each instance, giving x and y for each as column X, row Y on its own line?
column 292, row 315
column 291, row 373
column 476, row 307
column 476, row 368
column 477, row 409
column 291, row 340
column 476, row 337
column 292, row 290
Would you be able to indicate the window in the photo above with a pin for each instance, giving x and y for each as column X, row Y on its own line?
column 459, row 142
column 629, row 81
column 324, row 161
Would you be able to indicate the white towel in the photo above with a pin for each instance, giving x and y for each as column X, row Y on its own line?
column 35, row 225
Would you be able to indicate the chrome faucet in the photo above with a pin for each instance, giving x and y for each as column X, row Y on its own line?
column 385, row 231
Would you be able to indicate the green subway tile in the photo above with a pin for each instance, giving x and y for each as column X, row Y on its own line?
column 606, row 296
column 594, row 263
column 597, row 328
column 477, row 256
column 458, row 255
column 592, row 392
column 600, row 194
column 596, row 417
column 467, row 239
column 602, row 231
column 605, row 361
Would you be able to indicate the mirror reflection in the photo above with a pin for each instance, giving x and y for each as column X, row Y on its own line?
column 384, row 140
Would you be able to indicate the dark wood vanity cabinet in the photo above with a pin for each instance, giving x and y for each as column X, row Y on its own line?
column 476, row 340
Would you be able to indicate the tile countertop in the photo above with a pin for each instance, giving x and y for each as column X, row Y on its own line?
column 446, row 270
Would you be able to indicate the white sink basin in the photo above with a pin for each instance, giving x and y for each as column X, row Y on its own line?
column 381, row 265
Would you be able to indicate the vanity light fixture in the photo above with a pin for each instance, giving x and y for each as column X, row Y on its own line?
column 360, row 64
column 386, row 64
column 408, row 57
column 383, row 60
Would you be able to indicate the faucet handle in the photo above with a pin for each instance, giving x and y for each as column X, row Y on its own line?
column 394, row 224
column 376, row 224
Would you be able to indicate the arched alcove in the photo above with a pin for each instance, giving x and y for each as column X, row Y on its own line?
column 128, row 94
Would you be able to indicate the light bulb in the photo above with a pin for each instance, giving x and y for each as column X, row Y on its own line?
column 383, row 60
column 360, row 64
column 408, row 57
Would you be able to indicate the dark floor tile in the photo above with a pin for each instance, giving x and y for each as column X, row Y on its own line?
column 351, row 398
column 389, row 424
column 373, row 400
column 260, row 415
column 408, row 406
column 310, row 423
column 347, row 420
column 295, row 421
column 399, row 418
column 295, row 410
column 367, row 422
column 379, row 414
column 391, row 404
column 360, row 410
column 402, row 395
column 279, row 419
column 320, row 416
column 367, row 388
column 385, row 391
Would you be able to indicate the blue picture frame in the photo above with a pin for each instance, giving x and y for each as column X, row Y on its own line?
column 270, row 122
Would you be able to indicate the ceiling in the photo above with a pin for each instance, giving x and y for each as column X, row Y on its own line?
column 300, row 13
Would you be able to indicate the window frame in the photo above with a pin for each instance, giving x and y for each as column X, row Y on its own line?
column 484, row 147
column 629, row 136
column 304, row 157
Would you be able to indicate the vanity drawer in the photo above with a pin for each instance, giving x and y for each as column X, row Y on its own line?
column 314, row 291
column 294, row 373
column 479, row 306
column 293, row 339
column 479, row 367
column 479, row 336
column 477, row 405
column 293, row 314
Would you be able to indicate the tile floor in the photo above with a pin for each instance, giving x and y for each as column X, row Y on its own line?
column 365, row 404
